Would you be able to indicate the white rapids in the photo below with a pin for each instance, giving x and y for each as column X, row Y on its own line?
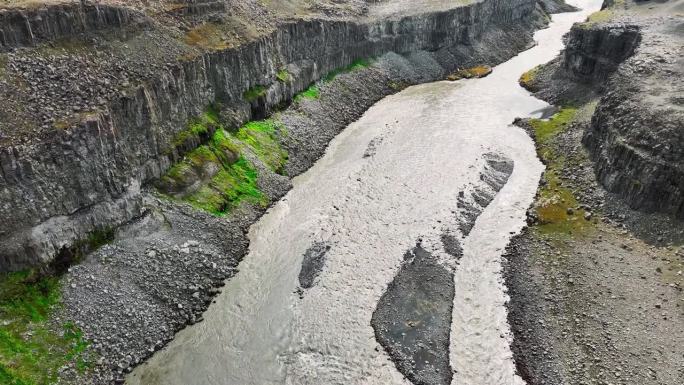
column 428, row 144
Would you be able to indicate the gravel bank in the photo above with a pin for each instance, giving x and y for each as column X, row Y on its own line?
column 599, row 301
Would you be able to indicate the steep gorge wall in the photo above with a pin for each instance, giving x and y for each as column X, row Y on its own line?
column 636, row 132
column 636, row 146
column 55, row 192
column 594, row 52
column 28, row 27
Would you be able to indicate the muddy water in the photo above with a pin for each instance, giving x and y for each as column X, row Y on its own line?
column 389, row 179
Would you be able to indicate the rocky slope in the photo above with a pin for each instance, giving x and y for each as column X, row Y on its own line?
column 596, row 289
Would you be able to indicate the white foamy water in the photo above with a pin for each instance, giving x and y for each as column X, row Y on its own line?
column 430, row 141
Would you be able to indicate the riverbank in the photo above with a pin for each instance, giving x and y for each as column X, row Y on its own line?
column 592, row 301
column 142, row 282
column 596, row 287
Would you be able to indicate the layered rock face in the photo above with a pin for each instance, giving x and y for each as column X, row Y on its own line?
column 637, row 131
column 593, row 52
column 636, row 137
column 632, row 60
column 63, row 184
column 21, row 27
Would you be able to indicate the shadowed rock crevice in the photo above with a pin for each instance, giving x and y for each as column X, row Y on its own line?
column 413, row 319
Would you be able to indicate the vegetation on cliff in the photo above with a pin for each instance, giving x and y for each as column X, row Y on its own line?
column 219, row 175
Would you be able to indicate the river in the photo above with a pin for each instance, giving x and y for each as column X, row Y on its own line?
column 388, row 180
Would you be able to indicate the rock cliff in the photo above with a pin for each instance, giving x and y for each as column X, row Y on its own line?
column 629, row 58
column 66, row 180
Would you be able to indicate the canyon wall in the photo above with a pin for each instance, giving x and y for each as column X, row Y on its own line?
column 28, row 27
column 593, row 52
column 633, row 67
column 57, row 190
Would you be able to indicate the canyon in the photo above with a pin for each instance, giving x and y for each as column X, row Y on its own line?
column 276, row 184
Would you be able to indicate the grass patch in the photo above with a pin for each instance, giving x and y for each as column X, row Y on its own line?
column 469, row 73
column 283, row 76
column 254, row 93
column 31, row 352
column 310, row 93
column 260, row 137
column 217, row 177
column 556, row 205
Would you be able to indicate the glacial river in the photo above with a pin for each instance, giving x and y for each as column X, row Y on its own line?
column 389, row 179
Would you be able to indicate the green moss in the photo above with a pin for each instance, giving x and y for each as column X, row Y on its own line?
column 604, row 15
column 260, row 137
column 234, row 184
column 355, row 65
column 226, row 175
column 555, row 200
column 31, row 351
column 545, row 130
column 283, row 76
column 310, row 93
column 397, row 86
column 528, row 77
column 314, row 92
column 198, row 126
column 254, row 93
column 469, row 73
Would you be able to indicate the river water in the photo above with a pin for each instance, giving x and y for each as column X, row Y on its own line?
column 389, row 179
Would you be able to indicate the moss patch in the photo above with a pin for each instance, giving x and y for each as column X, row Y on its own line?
column 232, row 185
column 310, row 93
column 198, row 126
column 354, row 66
column 556, row 206
column 314, row 91
column 254, row 93
column 217, row 177
column 260, row 137
column 283, row 76
column 528, row 77
column 31, row 351
column 605, row 15
column 469, row 73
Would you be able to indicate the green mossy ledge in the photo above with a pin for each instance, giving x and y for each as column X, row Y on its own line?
column 220, row 175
